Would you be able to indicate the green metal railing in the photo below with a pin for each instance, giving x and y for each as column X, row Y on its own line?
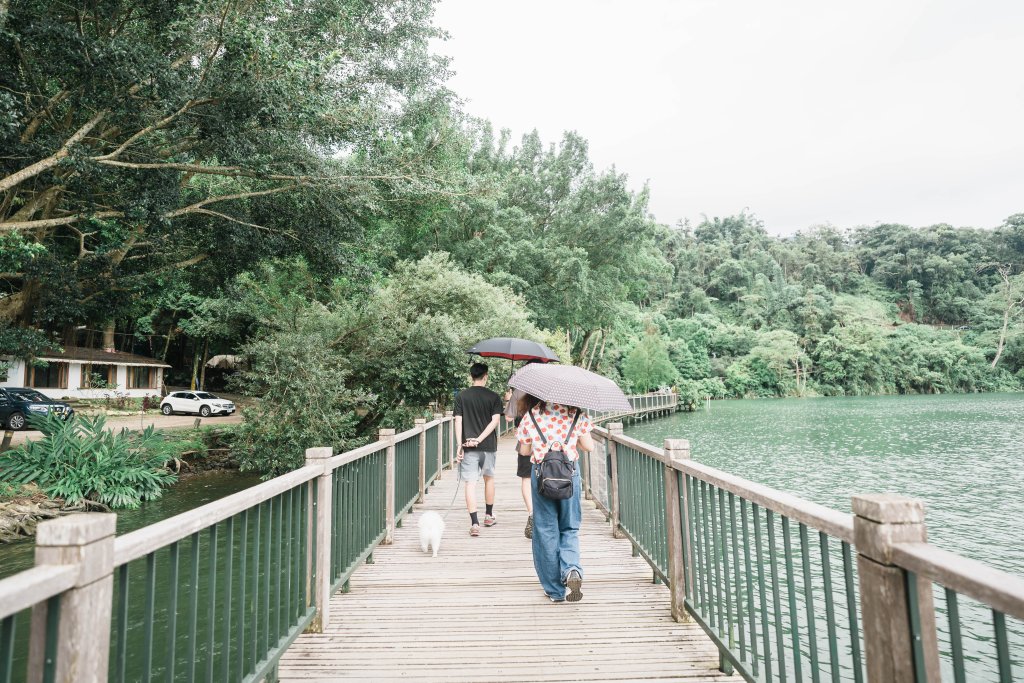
column 779, row 598
column 359, row 514
column 993, row 649
column 1004, row 635
column 642, row 506
column 222, row 604
column 774, row 581
column 407, row 472
column 14, row 643
column 218, row 593
column 446, row 443
column 430, row 461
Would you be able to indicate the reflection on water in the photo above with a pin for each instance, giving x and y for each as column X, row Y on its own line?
column 961, row 454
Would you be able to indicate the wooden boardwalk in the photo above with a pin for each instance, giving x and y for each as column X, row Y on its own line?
column 477, row 612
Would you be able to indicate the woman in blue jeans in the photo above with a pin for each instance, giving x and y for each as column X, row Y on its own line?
column 556, row 523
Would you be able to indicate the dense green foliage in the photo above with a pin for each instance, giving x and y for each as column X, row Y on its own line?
column 81, row 460
column 292, row 182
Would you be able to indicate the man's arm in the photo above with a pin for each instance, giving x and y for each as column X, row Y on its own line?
column 491, row 426
column 458, row 436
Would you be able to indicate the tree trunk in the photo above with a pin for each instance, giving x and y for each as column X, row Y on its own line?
column 593, row 352
column 108, row 337
column 1002, row 336
column 202, row 372
column 170, row 335
column 195, row 369
column 586, row 347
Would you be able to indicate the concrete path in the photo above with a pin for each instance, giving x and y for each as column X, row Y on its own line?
column 140, row 422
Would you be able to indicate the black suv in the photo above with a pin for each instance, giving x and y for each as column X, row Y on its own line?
column 17, row 405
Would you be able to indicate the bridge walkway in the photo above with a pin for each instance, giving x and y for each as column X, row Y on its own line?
column 477, row 612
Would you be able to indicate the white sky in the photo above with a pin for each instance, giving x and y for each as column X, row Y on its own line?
column 803, row 111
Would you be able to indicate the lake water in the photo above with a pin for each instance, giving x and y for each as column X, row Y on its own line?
column 963, row 455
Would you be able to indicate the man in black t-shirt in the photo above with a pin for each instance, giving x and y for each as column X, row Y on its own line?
column 477, row 413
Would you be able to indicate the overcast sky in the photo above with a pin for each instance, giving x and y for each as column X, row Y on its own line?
column 805, row 112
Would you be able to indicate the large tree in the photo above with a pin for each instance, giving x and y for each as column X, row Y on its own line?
column 141, row 137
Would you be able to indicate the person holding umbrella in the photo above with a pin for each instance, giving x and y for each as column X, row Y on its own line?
column 513, row 349
column 556, row 426
column 477, row 411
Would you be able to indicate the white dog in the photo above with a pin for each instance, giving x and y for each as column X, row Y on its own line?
column 431, row 527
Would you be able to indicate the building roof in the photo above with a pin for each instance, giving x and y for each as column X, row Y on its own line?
column 101, row 357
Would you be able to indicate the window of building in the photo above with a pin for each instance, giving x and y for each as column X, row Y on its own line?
column 99, row 376
column 142, row 377
column 53, row 375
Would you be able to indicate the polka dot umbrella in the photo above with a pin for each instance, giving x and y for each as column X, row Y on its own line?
column 569, row 385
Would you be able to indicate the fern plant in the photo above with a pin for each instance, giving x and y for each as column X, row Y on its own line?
column 81, row 460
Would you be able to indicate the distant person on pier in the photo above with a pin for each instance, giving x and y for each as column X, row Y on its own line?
column 477, row 415
column 556, row 523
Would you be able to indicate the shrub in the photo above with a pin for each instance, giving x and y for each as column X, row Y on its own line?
column 81, row 460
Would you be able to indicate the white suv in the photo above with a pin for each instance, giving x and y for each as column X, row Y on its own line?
column 197, row 402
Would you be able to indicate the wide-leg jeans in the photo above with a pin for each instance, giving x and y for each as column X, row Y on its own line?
column 556, row 536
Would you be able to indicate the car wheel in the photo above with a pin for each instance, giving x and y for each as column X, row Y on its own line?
column 16, row 421
column 204, row 411
column 166, row 409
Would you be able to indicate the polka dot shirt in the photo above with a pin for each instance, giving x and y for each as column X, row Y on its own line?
column 554, row 421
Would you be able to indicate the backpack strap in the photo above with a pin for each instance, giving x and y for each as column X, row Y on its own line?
column 568, row 437
column 539, row 430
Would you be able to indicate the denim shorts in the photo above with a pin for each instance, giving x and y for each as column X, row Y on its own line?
column 475, row 462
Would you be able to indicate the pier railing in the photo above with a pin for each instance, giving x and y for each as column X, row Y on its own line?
column 640, row 405
column 791, row 590
column 217, row 593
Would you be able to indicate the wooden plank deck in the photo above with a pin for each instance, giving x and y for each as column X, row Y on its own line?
column 477, row 611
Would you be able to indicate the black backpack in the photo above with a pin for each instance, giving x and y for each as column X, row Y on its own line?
column 555, row 471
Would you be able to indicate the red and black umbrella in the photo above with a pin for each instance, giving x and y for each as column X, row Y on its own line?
column 512, row 348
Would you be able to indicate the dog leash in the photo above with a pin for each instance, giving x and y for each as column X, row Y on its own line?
column 458, row 484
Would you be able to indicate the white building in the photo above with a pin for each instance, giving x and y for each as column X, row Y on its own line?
column 73, row 374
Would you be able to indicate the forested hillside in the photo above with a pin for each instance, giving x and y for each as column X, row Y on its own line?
column 294, row 182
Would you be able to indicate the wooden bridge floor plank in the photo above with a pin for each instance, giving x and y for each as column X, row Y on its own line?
column 477, row 613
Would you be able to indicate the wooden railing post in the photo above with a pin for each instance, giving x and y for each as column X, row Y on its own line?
column 585, row 457
column 440, row 444
column 320, row 519
column 880, row 521
column 451, row 436
column 676, row 450
column 83, row 628
column 614, row 429
column 422, row 438
column 389, row 485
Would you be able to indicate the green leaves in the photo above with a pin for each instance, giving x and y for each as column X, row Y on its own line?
column 81, row 460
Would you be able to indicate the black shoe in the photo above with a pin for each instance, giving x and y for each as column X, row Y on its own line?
column 574, row 582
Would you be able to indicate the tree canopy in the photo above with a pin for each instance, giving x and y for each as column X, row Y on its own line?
column 293, row 182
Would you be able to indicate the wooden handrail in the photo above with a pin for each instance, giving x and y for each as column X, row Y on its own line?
column 997, row 589
column 35, row 585
column 143, row 541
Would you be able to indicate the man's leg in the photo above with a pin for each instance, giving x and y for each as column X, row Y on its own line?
column 469, row 472
column 487, row 467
